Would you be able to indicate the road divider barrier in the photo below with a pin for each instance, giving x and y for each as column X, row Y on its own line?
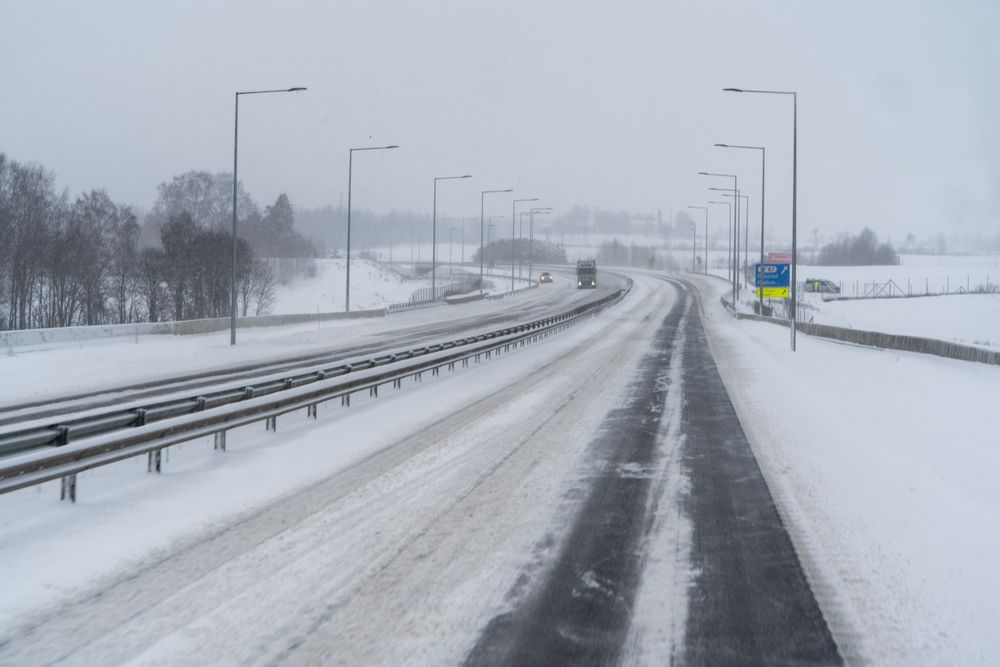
column 65, row 446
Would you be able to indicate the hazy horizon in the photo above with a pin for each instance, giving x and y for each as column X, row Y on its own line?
column 573, row 103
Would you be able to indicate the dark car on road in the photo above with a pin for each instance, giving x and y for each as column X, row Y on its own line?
column 546, row 277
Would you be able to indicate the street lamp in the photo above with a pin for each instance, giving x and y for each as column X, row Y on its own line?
column 236, row 145
column 730, row 220
column 531, row 232
column 482, row 248
column 763, row 160
column 520, row 240
column 795, row 153
column 350, row 167
column 434, row 233
column 735, row 245
column 733, row 250
column 513, row 234
column 746, row 228
column 705, row 209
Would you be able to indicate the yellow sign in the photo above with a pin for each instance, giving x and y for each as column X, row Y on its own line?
column 773, row 292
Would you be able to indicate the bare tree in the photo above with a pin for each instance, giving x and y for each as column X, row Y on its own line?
column 152, row 286
column 178, row 237
column 256, row 289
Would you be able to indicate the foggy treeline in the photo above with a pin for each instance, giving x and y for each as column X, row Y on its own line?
column 617, row 253
column 541, row 252
column 89, row 261
column 861, row 250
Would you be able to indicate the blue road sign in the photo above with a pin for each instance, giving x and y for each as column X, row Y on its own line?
column 773, row 280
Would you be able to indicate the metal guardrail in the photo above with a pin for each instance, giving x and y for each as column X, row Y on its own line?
column 71, row 446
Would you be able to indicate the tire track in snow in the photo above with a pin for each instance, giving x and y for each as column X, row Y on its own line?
column 582, row 610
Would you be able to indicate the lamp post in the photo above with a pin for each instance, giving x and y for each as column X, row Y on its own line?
column 795, row 152
column 236, row 145
column 350, row 169
column 531, row 232
column 705, row 209
column 520, row 241
column 763, row 160
column 733, row 232
column 730, row 220
column 734, row 248
column 482, row 248
column 746, row 227
column 434, row 233
column 513, row 232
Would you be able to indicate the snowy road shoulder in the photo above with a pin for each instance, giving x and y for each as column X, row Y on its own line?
column 883, row 465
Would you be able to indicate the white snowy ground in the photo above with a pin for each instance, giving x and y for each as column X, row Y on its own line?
column 373, row 285
column 884, row 466
column 970, row 319
column 239, row 568
column 34, row 372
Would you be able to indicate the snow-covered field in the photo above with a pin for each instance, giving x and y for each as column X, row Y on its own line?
column 966, row 318
column 884, row 465
column 970, row 319
column 910, row 277
column 372, row 286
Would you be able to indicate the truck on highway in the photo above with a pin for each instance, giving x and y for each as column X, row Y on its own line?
column 586, row 273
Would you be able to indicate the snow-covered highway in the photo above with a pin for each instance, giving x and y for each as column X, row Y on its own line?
column 592, row 498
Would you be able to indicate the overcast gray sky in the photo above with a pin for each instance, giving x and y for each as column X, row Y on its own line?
column 612, row 104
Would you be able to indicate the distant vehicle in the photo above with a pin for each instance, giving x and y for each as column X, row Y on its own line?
column 822, row 285
column 586, row 273
column 546, row 277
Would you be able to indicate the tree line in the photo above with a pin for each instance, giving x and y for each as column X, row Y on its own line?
column 88, row 261
column 861, row 250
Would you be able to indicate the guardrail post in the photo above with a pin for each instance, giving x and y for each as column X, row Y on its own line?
column 220, row 441
column 153, row 462
column 68, row 488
